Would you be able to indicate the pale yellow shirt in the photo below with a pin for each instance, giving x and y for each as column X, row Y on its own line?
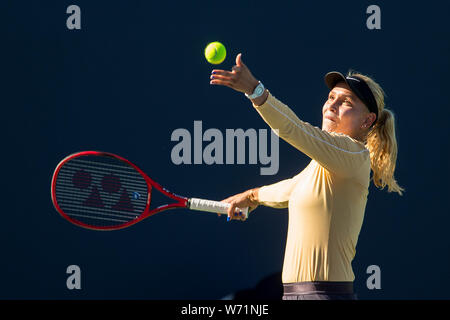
column 326, row 200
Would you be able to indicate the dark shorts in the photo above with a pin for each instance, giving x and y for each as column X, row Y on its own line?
column 319, row 290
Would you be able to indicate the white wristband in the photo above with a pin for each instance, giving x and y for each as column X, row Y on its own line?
column 258, row 92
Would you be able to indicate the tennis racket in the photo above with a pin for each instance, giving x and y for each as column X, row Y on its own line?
column 103, row 191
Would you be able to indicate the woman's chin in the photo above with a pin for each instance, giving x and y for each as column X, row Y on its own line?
column 329, row 127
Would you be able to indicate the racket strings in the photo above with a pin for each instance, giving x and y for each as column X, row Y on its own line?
column 100, row 191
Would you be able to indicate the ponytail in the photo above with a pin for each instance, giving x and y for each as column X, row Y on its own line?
column 381, row 142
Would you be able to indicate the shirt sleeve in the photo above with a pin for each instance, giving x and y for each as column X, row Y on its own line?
column 277, row 195
column 336, row 152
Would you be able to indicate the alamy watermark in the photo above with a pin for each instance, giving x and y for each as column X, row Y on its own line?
column 374, row 280
column 73, row 22
column 74, row 279
column 212, row 147
column 373, row 22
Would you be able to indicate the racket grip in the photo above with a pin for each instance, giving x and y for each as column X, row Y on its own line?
column 213, row 206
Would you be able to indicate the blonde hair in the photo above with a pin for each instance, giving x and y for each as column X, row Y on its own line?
column 381, row 141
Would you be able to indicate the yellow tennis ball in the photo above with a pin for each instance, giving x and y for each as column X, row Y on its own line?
column 215, row 52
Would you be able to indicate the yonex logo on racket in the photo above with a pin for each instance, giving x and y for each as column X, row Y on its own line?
column 108, row 183
column 228, row 148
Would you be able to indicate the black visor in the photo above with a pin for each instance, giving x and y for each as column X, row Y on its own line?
column 358, row 86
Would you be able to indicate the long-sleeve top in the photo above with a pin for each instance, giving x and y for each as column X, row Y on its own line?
column 326, row 200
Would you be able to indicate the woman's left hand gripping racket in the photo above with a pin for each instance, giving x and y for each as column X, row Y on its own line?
column 102, row 191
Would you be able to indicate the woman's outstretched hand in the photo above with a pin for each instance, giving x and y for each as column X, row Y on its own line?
column 239, row 79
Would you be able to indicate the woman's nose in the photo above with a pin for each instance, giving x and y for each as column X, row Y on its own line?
column 333, row 107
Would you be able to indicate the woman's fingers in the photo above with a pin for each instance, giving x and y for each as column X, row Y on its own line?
column 219, row 77
column 222, row 73
column 239, row 60
column 229, row 81
column 237, row 202
column 231, row 210
column 232, row 203
column 235, row 211
column 222, row 83
column 227, row 77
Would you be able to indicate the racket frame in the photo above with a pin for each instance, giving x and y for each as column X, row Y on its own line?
column 182, row 202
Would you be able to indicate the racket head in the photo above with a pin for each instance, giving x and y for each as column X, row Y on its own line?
column 103, row 191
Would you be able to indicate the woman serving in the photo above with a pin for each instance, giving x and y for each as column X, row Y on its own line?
column 327, row 199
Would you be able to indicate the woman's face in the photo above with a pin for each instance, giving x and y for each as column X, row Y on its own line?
column 345, row 113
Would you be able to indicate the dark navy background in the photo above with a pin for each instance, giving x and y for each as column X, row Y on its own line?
column 135, row 72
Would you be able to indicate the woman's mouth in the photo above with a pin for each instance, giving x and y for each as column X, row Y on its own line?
column 330, row 118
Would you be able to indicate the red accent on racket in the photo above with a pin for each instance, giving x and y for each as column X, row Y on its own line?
column 103, row 191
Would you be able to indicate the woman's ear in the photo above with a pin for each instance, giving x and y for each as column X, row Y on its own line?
column 370, row 119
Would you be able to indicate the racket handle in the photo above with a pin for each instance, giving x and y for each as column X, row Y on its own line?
column 213, row 206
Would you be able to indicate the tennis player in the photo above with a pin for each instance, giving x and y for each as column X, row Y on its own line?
column 327, row 199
